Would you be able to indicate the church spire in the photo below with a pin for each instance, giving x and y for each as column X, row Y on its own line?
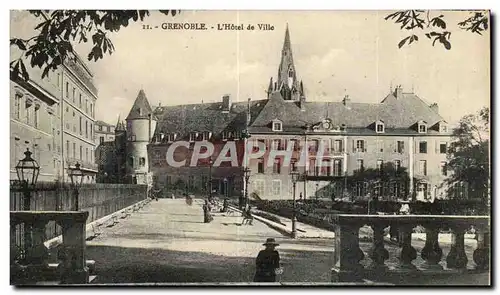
column 287, row 83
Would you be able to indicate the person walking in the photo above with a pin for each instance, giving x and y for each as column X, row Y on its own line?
column 267, row 263
column 207, row 217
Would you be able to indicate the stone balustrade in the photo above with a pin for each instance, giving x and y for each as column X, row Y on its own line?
column 348, row 253
column 29, row 259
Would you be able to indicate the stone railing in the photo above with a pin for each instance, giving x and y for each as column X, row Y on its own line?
column 29, row 258
column 348, row 254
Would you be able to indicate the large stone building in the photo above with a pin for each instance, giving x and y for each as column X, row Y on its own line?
column 54, row 117
column 402, row 129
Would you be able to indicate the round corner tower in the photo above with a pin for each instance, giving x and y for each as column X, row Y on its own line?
column 141, row 124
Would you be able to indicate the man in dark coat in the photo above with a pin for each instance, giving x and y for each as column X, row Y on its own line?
column 267, row 262
column 207, row 217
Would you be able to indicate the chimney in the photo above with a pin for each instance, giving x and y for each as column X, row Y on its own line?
column 302, row 103
column 434, row 107
column 226, row 103
column 398, row 92
column 159, row 104
column 346, row 101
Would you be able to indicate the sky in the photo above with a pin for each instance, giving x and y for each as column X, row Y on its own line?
column 335, row 53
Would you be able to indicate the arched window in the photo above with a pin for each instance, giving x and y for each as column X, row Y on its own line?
column 290, row 73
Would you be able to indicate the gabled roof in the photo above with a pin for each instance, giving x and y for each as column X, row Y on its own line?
column 141, row 108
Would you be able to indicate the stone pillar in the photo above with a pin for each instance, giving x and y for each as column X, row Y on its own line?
column 408, row 253
column 378, row 253
column 347, row 253
column 456, row 257
column 431, row 252
column 481, row 255
column 74, row 269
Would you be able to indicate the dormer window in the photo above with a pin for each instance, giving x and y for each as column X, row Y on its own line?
column 277, row 125
column 421, row 126
column 171, row 137
column 192, row 136
column 224, row 135
column 237, row 135
column 379, row 127
column 230, row 135
column 443, row 127
column 206, row 135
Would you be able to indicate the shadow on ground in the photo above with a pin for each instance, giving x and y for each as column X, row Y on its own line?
column 137, row 265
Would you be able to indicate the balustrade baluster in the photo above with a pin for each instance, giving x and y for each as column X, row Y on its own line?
column 408, row 253
column 457, row 257
column 378, row 253
column 431, row 252
column 481, row 255
column 347, row 253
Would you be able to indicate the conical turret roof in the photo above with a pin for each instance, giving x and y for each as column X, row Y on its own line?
column 119, row 125
column 141, row 108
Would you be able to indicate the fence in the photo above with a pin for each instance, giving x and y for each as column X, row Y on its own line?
column 98, row 199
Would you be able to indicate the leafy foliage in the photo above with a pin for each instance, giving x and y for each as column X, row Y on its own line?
column 59, row 29
column 468, row 155
column 434, row 27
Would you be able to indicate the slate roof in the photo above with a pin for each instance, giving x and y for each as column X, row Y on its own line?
column 141, row 108
column 398, row 115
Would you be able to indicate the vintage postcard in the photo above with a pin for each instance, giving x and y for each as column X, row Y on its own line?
column 307, row 148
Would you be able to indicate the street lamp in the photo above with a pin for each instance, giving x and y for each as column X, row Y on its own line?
column 76, row 175
column 225, row 188
column 295, row 178
column 246, row 173
column 27, row 171
column 210, row 162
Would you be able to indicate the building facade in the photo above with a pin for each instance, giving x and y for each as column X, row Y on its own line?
column 346, row 137
column 54, row 118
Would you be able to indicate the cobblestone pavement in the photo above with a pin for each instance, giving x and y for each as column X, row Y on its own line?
column 167, row 241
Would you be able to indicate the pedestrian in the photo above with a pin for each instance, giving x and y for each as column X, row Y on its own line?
column 207, row 217
column 267, row 263
column 225, row 205
column 300, row 196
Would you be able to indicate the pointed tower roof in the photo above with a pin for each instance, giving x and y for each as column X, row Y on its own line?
column 119, row 125
column 286, row 64
column 141, row 108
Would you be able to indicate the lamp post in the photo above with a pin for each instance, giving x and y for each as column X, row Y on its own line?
column 295, row 178
column 246, row 173
column 225, row 188
column 27, row 170
column 76, row 175
column 210, row 162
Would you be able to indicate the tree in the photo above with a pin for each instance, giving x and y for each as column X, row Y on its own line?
column 59, row 28
column 468, row 155
column 434, row 26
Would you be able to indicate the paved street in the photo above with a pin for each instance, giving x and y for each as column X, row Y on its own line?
column 167, row 241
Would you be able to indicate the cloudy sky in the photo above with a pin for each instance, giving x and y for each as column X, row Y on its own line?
column 335, row 53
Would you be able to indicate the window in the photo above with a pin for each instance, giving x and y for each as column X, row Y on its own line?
column 359, row 165
column 67, row 89
column 86, row 129
column 397, row 165
column 326, row 167
column 338, row 146
column 444, row 171
column 293, row 165
column 87, row 154
column 81, row 152
column 400, row 146
column 314, row 145
column 192, row 136
column 86, row 105
column 91, row 110
column 277, row 166
column 74, row 150
column 422, row 128
column 422, row 167
column 443, row 128
column 108, row 128
column 422, row 147
column 206, row 135
column 74, row 94
column 277, row 126
column 58, row 80
column 101, row 139
column 142, row 161
column 80, row 102
column 276, row 187
column 35, row 118
column 17, row 105
column 259, row 187
column 442, row 148
column 131, row 162
column 67, row 147
column 380, row 128
column 290, row 73
column 100, row 128
column 260, row 166
column 360, row 189
column 360, row 146
column 380, row 165
column 81, row 125
column 337, row 167
column 295, row 143
column 171, row 137
column 224, row 135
